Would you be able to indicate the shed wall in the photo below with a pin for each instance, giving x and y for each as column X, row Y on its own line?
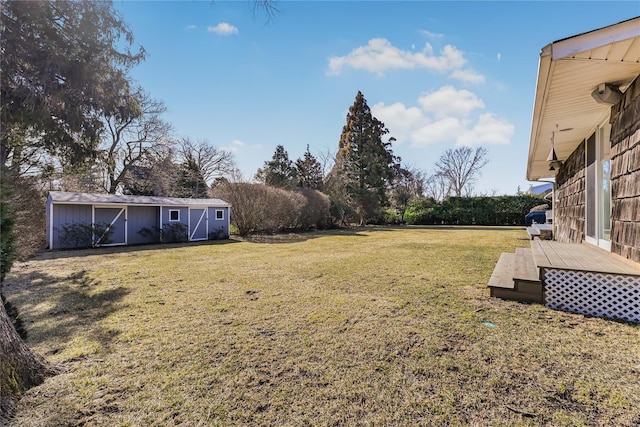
column 218, row 228
column 67, row 216
column 143, row 218
column 184, row 215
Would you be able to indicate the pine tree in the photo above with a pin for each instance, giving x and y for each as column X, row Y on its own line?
column 309, row 171
column 279, row 171
column 191, row 183
column 365, row 163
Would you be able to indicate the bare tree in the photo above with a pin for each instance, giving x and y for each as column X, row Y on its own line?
column 213, row 162
column 135, row 130
column 326, row 158
column 437, row 187
column 408, row 183
column 460, row 168
column 155, row 175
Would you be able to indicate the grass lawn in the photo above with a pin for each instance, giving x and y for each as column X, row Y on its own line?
column 383, row 326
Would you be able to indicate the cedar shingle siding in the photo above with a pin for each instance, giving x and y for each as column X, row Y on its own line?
column 625, row 174
column 570, row 196
column 625, row 182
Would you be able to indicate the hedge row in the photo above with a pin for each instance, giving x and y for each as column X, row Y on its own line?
column 262, row 208
column 500, row 210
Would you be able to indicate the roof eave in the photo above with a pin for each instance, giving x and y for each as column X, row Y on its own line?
column 559, row 52
column 544, row 72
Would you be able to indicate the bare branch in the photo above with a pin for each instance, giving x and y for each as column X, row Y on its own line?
column 461, row 168
column 214, row 162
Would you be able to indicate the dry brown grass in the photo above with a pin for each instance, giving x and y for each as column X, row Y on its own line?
column 354, row 327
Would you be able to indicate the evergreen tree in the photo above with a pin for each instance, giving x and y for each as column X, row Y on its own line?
column 7, row 222
column 63, row 65
column 191, row 183
column 279, row 171
column 365, row 163
column 309, row 171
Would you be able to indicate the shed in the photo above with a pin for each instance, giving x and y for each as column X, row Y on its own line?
column 76, row 220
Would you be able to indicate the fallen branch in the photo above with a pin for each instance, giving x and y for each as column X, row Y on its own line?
column 521, row 412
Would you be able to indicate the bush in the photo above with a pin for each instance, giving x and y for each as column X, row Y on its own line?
column 83, row 235
column 316, row 210
column 423, row 211
column 218, row 234
column 27, row 204
column 262, row 208
column 153, row 233
column 175, row 233
column 501, row 210
column 391, row 217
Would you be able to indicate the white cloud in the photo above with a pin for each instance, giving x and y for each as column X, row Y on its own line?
column 444, row 115
column 437, row 131
column 467, row 76
column 379, row 55
column 499, row 56
column 190, row 27
column 448, row 101
column 223, row 29
column 489, row 129
column 400, row 119
column 431, row 34
column 234, row 146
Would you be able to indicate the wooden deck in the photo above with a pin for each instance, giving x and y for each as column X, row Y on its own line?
column 573, row 277
column 579, row 257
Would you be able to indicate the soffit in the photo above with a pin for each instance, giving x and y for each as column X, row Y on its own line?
column 569, row 71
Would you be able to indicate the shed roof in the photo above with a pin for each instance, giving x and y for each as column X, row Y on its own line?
column 569, row 71
column 64, row 197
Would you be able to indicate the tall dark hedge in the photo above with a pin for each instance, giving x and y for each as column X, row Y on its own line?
column 500, row 210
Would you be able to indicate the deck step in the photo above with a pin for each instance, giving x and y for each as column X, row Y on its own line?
column 533, row 232
column 526, row 269
column 515, row 277
column 511, row 295
column 502, row 276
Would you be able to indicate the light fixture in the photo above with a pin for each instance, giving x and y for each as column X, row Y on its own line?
column 607, row 94
column 552, row 158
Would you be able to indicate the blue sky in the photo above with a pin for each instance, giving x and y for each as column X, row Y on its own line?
column 438, row 74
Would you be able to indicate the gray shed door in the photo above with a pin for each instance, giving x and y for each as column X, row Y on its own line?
column 197, row 224
column 110, row 226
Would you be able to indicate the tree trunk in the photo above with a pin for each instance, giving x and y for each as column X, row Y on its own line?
column 20, row 368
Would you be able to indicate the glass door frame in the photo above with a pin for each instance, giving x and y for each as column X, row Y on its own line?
column 598, row 187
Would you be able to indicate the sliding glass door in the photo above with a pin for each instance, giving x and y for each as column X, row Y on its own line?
column 598, row 187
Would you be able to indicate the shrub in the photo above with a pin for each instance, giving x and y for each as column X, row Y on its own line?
column 83, row 235
column 423, row 211
column 174, row 233
column 391, row 217
column 262, row 208
column 501, row 210
column 218, row 234
column 153, row 233
column 315, row 212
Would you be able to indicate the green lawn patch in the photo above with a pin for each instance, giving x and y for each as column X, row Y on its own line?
column 381, row 326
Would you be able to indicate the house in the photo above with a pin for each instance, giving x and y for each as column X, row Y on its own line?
column 82, row 220
column 585, row 138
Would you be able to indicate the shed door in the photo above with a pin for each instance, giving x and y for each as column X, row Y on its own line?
column 110, row 226
column 197, row 224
